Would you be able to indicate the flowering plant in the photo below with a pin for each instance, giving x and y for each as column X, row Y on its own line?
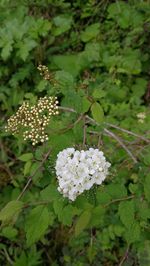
column 78, row 171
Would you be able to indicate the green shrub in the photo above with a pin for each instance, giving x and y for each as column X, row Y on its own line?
column 97, row 53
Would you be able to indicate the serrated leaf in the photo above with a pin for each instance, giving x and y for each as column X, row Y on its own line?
column 25, row 157
column 116, row 190
column 65, row 81
column 36, row 224
column 22, row 260
column 97, row 216
column 97, row 112
column 25, row 47
column 50, row 193
column 132, row 233
column 82, row 222
column 62, row 23
column 126, row 212
column 6, row 51
column 11, row 209
column 98, row 93
column 90, row 32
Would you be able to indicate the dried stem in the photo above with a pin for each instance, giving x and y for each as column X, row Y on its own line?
column 111, row 134
column 67, row 109
column 124, row 256
column 114, row 136
column 128, row 132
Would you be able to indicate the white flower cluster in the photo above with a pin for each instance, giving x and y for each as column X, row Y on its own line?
column 80, row 170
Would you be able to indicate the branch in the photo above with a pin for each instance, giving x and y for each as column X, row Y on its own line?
column 120, row 199
column 30, row 177
column 111, row 134
column 67, row 109
column 128, row 132
column 124, row 256
column 108, row 124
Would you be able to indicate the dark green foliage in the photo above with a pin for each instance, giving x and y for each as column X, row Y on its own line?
column 97, row 53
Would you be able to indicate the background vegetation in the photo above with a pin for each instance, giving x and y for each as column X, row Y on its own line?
column 97, row 53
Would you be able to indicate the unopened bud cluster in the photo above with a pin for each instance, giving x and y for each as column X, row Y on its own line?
column 44, row 72
column 33, row 120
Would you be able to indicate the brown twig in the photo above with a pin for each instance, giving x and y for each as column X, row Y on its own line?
column 114, row 136
column 128, row 132
column 30, row 177
column 121, row 144
column 124, row 256
column 67, row 109
column 111, row 134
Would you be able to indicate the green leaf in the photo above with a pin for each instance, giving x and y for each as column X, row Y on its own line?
column 92, row 52
column 98, row 93
column 122, row 13
column 36, row 224
column 127, row 212
column 143, row 210
column 26, row 157
column 62, row 23
column 66, row 215
column 65, row 81
column 42, row 85
column 6, row 51
column 97, row 112
column 25, row 47
column 68, row 63
column 116, row 190
column 90, row 32
column 9, row 232
column 22, row 260
column 97, row 216
column 147, row 187
column 144, row 254
column 10, row 210
column 50, row 193
column 102, row 196
column 27, row 167
column 85, row 104
column 132, row 233
column 82, row 222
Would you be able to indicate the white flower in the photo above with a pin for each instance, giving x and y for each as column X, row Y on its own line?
column 78, row 171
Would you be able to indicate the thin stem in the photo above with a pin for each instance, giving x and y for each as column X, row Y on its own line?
column 108, row 124
column 111, row 134
column 36, row 203
column 8, row 257
column 120, row 199
column 67, row 109
column 124, row 256
column 128, row 132
column 30, row 177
